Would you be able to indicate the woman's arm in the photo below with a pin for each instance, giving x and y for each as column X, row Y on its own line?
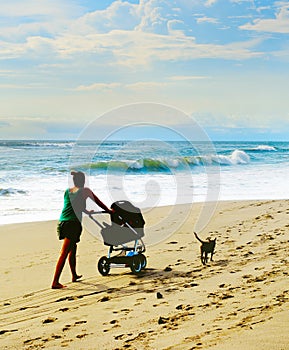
column 89, row 194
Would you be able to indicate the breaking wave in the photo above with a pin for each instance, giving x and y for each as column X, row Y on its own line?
column 266, row 148
column 167, row 164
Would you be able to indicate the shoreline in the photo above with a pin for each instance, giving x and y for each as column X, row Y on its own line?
column 162, row 206
column 242, row 295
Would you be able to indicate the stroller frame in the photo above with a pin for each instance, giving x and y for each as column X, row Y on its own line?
column 128, row 256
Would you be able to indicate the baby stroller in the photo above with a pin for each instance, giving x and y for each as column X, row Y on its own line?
column 127, row 226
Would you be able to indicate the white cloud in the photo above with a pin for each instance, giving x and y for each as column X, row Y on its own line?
column 130, row 48
column 279, row 24
column 140, row 85
column 210, row 2
column 175, row 27
column 85, row 60
column 232, row 120
column 263, row 8
column 21, row 19
column 30, row 8
column 6, row 73
column 147, row 85
column 207, row 20
column 243, row 1
column 123, row 33
column 98, row 86
column 119, row 15
column 154, row 15
column 17, row 86
column 188, row 77
column 282, row 55
column 11, row 50
column 151, row 16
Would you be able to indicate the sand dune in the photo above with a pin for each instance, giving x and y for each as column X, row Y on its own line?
column 238, row 301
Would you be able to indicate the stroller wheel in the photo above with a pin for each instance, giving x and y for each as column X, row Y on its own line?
column 143, row 260
column 103, row 266
column 136, row 264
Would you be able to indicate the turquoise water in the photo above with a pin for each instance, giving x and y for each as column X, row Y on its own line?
column 34, row 174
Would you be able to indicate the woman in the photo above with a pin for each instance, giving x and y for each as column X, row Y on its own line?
column 70, row 228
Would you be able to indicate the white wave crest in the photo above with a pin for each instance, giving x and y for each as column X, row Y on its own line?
column 265, row 148
column 239, row 157
column 236, row 157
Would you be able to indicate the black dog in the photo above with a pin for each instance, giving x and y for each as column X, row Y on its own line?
column 206, row 248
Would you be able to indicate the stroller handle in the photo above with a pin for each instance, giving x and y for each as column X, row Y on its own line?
column 104, row 212
column 98, row 212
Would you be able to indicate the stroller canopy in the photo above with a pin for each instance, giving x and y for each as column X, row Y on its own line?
column 125, row 212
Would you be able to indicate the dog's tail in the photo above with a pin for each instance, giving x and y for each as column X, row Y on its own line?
column 198, row 238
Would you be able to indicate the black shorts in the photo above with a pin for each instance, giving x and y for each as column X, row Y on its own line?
column 69, row 229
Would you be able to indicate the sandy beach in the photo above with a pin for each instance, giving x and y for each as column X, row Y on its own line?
column 238, row 301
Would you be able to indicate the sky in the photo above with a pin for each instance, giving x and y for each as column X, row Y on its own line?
column 66, row 63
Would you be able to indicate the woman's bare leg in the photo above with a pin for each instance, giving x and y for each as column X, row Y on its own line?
column 66, row 247
column 72, row 260
column 72, row 263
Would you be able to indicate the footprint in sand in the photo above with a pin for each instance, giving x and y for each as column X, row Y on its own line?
column 68, row 326
column 80, row 336
column 80, row 322
column 119, row 337
column 55, row 336
column 49, row 320
column 163, row 320
column 126, row 311
column 113, row 321
column 104, row 299
column 31, row 341
column 168, row 269
column 64, row 309
column 8, row 331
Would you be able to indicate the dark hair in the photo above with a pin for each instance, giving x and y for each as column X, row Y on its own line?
column 78, row 178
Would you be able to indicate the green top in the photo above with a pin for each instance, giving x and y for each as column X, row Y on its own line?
column 68, row 213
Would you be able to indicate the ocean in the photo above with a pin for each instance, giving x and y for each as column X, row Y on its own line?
column 34, row 174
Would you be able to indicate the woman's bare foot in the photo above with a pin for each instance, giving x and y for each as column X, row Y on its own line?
column 58, row 286
column 76, row 278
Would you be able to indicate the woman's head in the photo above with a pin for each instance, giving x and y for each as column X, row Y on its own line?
column 78, row 178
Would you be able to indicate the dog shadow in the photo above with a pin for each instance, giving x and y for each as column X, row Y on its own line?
column 221, row 262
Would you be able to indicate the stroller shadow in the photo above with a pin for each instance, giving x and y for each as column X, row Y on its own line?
column 149, row 280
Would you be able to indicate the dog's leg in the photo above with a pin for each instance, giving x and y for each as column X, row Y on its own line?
column 206, row 257
column 202, row 257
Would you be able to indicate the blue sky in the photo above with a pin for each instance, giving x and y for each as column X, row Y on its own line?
column 63, row 63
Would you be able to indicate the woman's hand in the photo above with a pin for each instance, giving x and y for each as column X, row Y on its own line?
column 111, row 211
